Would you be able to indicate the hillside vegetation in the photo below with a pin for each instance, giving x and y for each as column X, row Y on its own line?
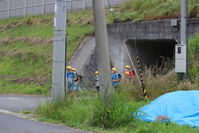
column 26, row 46
column 26, row 43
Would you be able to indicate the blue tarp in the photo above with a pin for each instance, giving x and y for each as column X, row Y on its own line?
column 180, row 106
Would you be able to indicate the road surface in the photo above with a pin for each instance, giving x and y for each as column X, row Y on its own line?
column 12, row 121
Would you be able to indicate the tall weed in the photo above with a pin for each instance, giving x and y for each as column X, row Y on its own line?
column 116, row 114
column 193, row 50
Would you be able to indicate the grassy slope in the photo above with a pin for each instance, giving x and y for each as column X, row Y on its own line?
column 139, row 10
column 26, row 46
column 26, row 43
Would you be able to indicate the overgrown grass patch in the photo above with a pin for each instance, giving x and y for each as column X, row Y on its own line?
column 90, row 113
column 141, row 10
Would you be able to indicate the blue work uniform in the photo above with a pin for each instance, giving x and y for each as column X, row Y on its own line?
column 70, row 76
column 114, row 77
column 75, row 83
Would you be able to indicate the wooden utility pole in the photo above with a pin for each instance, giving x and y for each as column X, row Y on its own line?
column 103, row 60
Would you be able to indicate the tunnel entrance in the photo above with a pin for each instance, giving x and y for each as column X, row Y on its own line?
column 151, row 52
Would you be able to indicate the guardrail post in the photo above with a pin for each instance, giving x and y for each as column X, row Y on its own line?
column 25, row 8
column 8, row 8
column 83, row 4
column 43, row 7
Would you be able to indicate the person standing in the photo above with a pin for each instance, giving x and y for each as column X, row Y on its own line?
column 97, row 82
column 126, row 79
column 127, row 69
column 75, row 83
column 69, row 77
column 114, row 77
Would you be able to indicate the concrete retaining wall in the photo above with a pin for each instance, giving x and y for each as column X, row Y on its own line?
column 151, row 30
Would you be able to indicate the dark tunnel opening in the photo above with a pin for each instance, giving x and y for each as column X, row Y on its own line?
column 151, row 52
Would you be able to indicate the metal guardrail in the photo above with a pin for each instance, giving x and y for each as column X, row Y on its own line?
column 21, row 8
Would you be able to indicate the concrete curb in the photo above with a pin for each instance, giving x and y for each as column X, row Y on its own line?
column 16, row 114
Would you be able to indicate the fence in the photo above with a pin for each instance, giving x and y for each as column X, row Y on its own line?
column 20, row 8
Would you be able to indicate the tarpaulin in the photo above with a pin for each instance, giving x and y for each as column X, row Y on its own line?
column 180, row 106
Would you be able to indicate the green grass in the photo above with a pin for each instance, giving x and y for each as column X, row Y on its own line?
column 194, row 60
column 26, row 47
column 141, row 10
column 90, row 113
column 26, row 112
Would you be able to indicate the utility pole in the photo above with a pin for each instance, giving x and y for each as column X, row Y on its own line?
column 184, row 33
column 59, row 51
column 103, row 60
column 181, row 53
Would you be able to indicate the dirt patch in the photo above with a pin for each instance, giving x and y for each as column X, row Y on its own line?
column 82, row 20
column 41, row 80
column 1, row 27
column 6, row 40
column 12, row 53
column 32, row 41
column 1, row 76
column 28, row 21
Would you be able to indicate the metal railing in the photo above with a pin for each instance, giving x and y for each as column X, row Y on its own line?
column 21, row 8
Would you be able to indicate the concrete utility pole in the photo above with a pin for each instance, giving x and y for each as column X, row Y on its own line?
column 59, row 51
column 181, row 53
column 184, row 33
column 103, row 60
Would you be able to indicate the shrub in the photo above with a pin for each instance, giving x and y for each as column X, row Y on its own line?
column 116, row 114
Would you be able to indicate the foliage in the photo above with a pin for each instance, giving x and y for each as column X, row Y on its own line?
column 140, row 10
column 117, row 113
column 70, row 111
column 193, row 50
column 91, row 113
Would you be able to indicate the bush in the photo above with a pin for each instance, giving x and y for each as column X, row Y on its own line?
column 117, row 113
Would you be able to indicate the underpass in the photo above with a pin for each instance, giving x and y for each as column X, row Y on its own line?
column 151, row 52
column 155, row 41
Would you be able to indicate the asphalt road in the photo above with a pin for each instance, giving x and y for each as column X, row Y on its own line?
column 13, row 124
column 17, row 103
column 12, row 121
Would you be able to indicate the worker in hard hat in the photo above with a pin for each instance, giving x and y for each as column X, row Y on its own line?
column 131, row 73
column 75, row 83
column 97, row 82
column 114, row 77
column 126, row 74
column 73, row 70
column 70, row 77
column 126, row 78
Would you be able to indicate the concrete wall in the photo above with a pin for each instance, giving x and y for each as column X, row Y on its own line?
column 149, row 30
